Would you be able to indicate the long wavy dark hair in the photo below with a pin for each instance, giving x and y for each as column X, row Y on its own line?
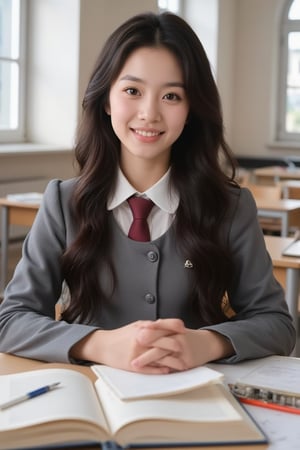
column 197, row 158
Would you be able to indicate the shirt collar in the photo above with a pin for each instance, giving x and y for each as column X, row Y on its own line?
column 162, row 193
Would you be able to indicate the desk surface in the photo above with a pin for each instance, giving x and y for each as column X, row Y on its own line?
column 277, row 171
column 282, row 429
column 275, row 246
column 14, row 364
column 12, row 203
column 281, row 205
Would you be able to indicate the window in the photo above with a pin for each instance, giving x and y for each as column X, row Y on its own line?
column 170, row 5
column 289, row 90
column 11, row 70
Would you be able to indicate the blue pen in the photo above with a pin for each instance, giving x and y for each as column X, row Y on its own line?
column 29, row 395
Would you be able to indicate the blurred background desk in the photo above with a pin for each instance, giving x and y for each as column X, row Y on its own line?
column 287, row 210
column 13, row 213
column 287, row 272
column 274, row 174
column 290, row 189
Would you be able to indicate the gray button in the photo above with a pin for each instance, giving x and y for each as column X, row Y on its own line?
column 152, row 256
column 149, row 298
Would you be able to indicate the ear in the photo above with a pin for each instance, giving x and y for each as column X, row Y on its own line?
column 107, row 109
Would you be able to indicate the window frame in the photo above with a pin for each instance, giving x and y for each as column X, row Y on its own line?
column 17, row 135
column 286, row 26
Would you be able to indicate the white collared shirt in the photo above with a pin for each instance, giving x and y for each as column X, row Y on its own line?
column 163, row 195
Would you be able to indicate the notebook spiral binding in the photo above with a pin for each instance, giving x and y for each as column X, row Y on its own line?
column 265, row 395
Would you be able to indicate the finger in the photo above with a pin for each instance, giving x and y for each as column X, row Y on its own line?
column 170, row 344
column 147, row 337
column 172, row 325
column 152, row 358
column 152, row 370
column 173, row 362
column 149, row 357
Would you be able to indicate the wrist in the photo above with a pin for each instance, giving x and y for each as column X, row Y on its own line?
column 207, row 346
column 218, row 345
column 88, row 348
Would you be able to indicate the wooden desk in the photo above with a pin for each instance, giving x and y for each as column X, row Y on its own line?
column 273, row 174
column 290, row 189
column 14, row 364
column 287, row 210
column 281, row 428
column 287, row 272
column 13, row 213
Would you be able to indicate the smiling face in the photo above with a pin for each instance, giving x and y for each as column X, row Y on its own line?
column 148, row 106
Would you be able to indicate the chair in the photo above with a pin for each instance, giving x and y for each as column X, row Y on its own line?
column 267, row 192
column 291, row 189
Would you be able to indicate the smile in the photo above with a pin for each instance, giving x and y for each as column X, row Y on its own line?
column 147, row 133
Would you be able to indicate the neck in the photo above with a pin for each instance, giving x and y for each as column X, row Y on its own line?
column 144, row 175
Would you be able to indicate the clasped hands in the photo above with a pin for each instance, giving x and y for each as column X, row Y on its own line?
column 153, row 347
column 159, row 346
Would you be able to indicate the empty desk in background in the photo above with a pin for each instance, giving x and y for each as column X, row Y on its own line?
column 287, row 272
column 13, row 213
column 274, row 174
column 290, row 189
column 287, row 210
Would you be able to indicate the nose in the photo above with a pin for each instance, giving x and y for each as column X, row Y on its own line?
column 149, row 110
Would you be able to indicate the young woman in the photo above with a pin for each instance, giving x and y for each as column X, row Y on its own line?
column 201, row 288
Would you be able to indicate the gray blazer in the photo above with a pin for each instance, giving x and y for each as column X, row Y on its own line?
column 262, row 325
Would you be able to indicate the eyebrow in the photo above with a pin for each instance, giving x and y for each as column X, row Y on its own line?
column 139, row 80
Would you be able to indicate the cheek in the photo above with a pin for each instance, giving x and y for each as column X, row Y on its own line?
column 180, row 121
column 120, row 108
column 120, row 115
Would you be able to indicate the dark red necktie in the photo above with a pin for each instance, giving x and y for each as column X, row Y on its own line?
column 140, row 207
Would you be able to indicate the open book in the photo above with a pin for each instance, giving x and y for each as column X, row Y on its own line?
column 131, row 385
column 79, row 411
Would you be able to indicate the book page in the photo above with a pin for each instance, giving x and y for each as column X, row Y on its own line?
column 74, row 398
column 200, row 405
column 130, row 385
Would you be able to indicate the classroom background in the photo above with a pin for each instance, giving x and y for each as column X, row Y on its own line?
column 254, row 50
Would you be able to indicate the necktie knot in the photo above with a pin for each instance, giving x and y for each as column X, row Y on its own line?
column 140, row 207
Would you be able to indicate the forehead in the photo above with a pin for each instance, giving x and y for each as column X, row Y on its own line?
column 152, row 62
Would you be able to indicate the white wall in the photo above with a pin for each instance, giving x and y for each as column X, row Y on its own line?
column 226, row 73
column 53, row 61
column 203, row 16
column 255, row 78
column 65, row 37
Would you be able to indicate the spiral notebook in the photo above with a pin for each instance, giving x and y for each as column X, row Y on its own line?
column 273, row 383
